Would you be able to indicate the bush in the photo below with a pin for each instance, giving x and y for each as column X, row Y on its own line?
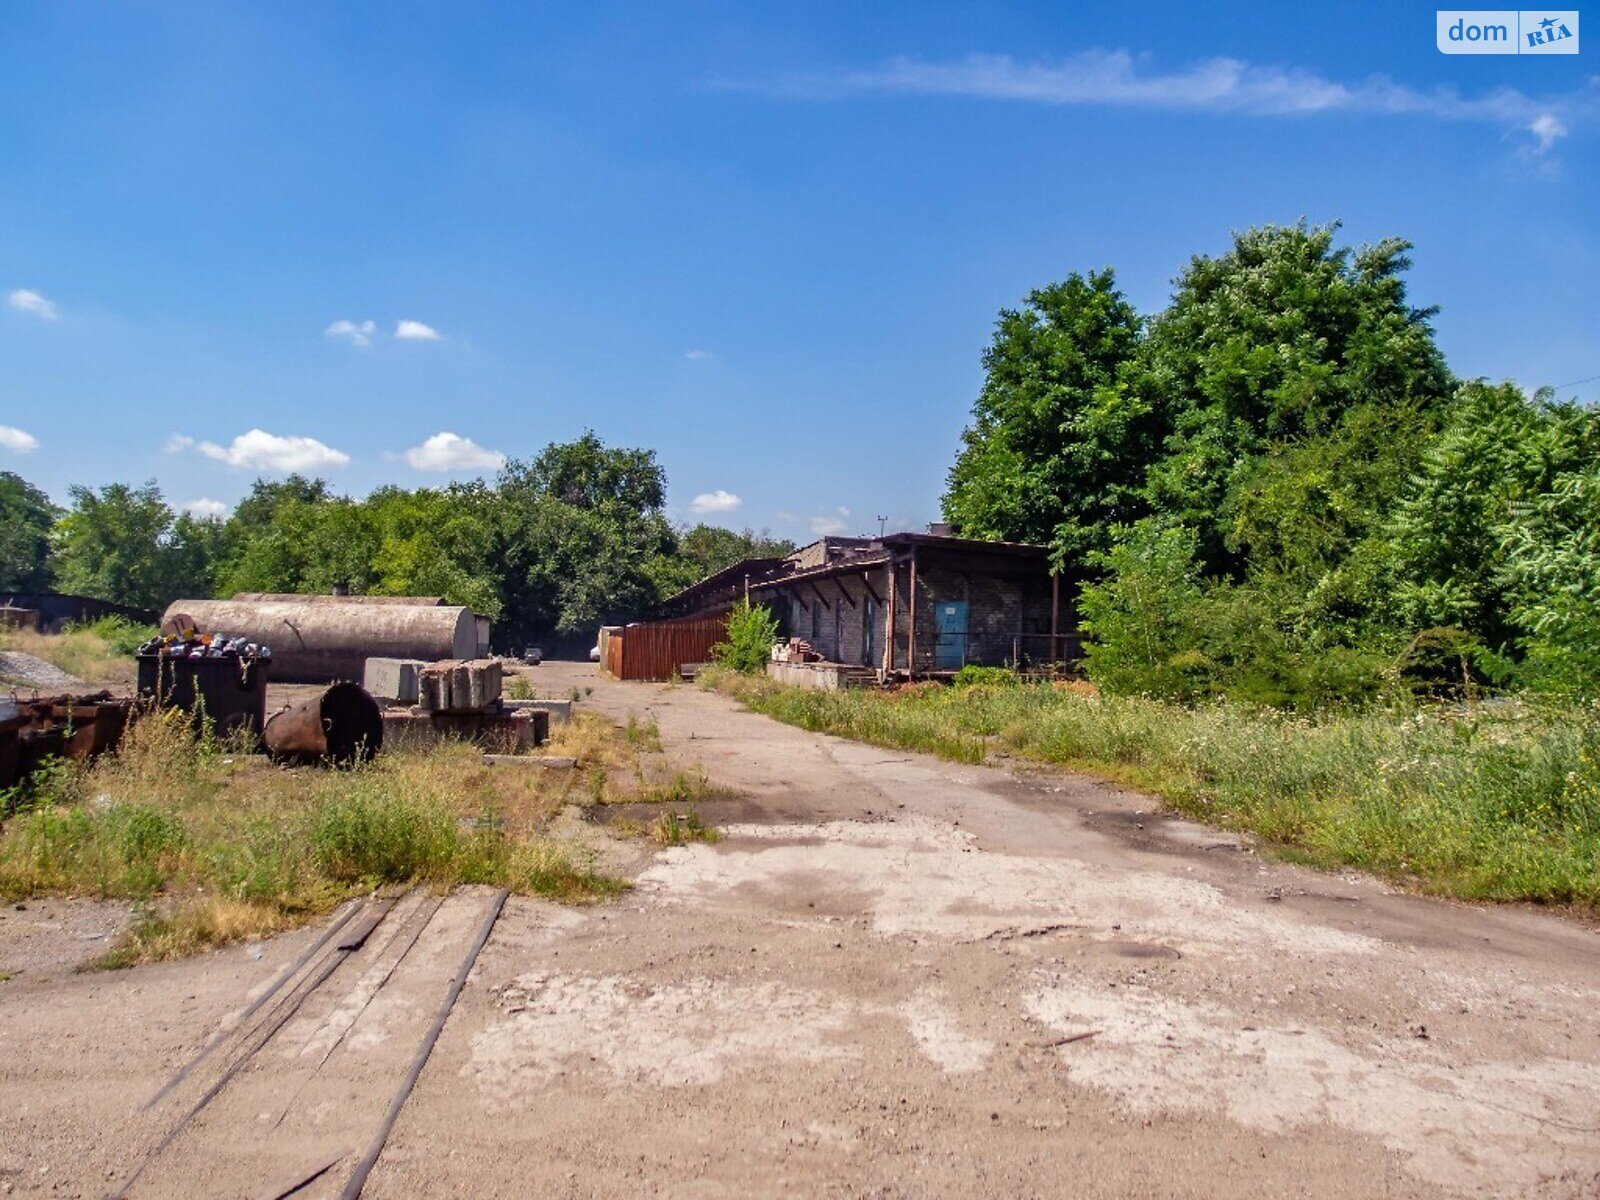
column 973, row 675
column 120, row 635
column 751, row 632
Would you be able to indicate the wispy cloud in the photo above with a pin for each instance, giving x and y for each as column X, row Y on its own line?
column 206, row 509
column 34, row 304
column 825, row 526
column 416, row 331
column 451, row 452
column 176, row 443
column 1118, row 79
column 718, row 501
column 357, row 333
column 262, row 451
column 698, row 355
column 17, row 441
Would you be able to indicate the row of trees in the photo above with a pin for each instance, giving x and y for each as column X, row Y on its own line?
column 574, row 538
column 1275, row 488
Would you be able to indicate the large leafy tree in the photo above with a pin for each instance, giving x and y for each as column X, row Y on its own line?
column 1298, row 381
column 1059, row 441
column 576, row 531
column 26, row 516
column 706, row 549
column 123, row 544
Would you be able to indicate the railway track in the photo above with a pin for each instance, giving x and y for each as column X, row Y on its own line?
column 297, row 1095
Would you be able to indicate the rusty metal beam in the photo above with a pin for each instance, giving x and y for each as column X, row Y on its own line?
column 820, row 596
column 839, row 583
column 866, row 582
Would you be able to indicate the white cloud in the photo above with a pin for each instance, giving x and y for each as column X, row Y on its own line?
column 1549, row 129
column 698, row 355
column 177, row 442
column 416, row 331
column 206, row 509
column 718, row 501
column 1116, row 78
column 17, row 441
column 261, row 451
column 827, row 526
column 451, row 452
column 357, row 333
column 32, row 302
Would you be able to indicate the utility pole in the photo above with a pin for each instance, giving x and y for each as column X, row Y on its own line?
column 882, row 521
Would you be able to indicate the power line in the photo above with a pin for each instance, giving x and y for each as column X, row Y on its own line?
column 1575, row 382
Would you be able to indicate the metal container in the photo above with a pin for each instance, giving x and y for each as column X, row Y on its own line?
column 230, row 691
column 340, row 724
column 327, row 639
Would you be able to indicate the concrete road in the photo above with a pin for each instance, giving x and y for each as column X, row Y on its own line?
column 893, row 977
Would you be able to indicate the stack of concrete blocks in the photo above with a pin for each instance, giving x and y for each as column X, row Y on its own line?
column 461, row 698
column 461, row 687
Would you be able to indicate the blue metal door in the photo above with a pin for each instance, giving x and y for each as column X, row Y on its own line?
column 950, row 626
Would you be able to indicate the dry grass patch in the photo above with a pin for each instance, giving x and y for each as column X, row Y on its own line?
column 221, row 845
column 100, row 652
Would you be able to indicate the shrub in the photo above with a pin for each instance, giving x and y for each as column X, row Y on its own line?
column 973, row 675
column 751, row 632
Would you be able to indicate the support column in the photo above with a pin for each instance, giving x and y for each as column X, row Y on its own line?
column 911, row 625
column 888, row 640
column 1055, row 616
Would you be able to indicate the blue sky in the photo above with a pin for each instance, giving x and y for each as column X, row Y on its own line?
column 767, row 241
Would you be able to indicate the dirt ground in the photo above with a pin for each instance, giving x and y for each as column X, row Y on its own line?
column 893, row 977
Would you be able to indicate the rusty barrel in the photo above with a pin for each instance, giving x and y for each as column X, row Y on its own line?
column 339, row 724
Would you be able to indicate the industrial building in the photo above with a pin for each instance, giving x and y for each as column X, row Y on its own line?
column 898, row 606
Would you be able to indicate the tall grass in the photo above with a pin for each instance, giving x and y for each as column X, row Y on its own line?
column 218, row 845
column 98, row 652
column 1496, row 803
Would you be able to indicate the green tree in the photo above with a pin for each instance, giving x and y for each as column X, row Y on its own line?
column 117, row 543
column 26, row 516
column 576, row 531
column 1287, row 338
column 1059, row 442
column 1498, row 452
column 436, row 542
column 706, row 549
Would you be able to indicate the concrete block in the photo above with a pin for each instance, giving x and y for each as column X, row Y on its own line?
column 560, row 710
column 392, row 679
column 462, row 686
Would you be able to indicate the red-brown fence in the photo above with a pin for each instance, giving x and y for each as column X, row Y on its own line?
column 660, row 649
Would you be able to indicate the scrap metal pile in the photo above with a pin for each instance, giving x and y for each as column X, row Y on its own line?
column 34, row 731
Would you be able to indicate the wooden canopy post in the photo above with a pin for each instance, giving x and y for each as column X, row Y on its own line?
column 888, row 640
column 1055, row 617
column 911, row 625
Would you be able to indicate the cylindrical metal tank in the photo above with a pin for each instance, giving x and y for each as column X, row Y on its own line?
column 319, row 598
column 319, row 641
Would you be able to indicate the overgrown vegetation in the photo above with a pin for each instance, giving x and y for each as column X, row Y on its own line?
column 215, row 845
column 1498, row 801
column 1275, row 486
column 98, row 652
column 752, row 630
